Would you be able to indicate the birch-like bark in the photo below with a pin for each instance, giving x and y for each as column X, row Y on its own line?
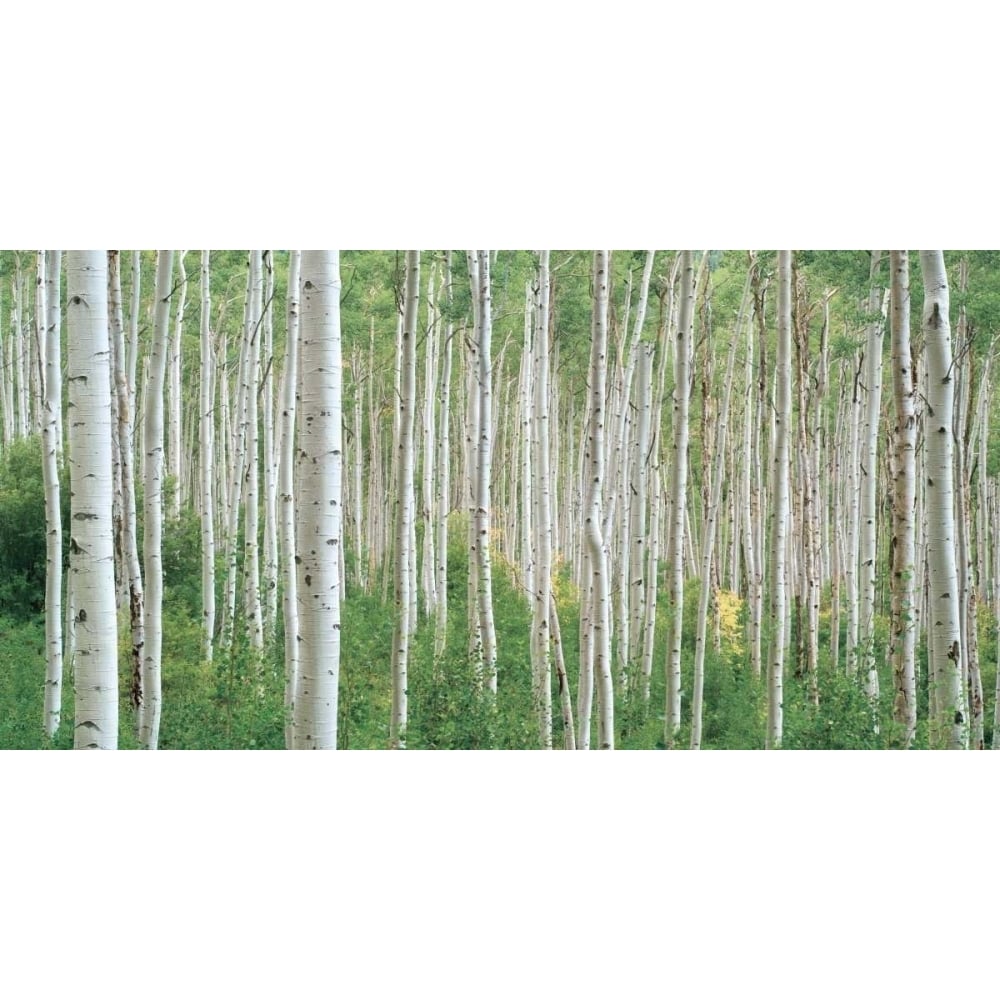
column 319, row 486
column 91, row 541
column 405, row 504
column 946, row 652
column 779, row 501
column 543, row 602
column 130, row 534
column 251, row 543
column 174, row 451
column 902, row 628
column 269, row 580
column 678, row 499
column 596, row 544
column 52, row 420
column 868, row 468
column 484, row 594
column 152, row 446
column 207, row 445
column 442, row 498
column 286, row 486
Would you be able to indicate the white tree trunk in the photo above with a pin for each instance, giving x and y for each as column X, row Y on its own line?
column 207, row 445
column 91, row 541
column 678, row 499
column 130, row 537
column 405, row 503
column 176, row 465
column 596, row 544
column 319, row 486
column 286, row 486
column 944, row 626
column 779, row 500
column 52, row 409
column 903, row 628
column 152, row 446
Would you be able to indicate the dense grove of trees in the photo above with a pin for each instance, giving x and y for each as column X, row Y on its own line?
column 577, row 499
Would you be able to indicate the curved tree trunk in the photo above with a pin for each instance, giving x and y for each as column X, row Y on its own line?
column 152, row 446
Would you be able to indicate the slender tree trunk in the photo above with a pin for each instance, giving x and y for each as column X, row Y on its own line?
column 52, row 409
column 319, row 486
column 130, row 536
column 944, row 626
column 780, row 507
column 176, row 464
column 251, row 542
column 207, row 445
column 405, row 503
column 484, row 595
column 91, row 542
column 868, row 468
column 286, row 472
column 678, row 500
column 902, row 629
column 152, row 446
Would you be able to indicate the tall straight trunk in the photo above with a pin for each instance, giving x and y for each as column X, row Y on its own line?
column 251, row 542
column 868, row 468
column 174, row 451
column 779, row 503
column 405, row 503
column 319, row 486
column 428, row 576
column 944, row 626
column 596, row 544
column 902, row 628
column 678, row 500
column 269, row 581
column 91, row 542
column 484, row 385
column 286, row 487
column 542, row 595
column 442, row 497
column 152, row 446
column 130, row 536
column 207, row 445
column 52, row 410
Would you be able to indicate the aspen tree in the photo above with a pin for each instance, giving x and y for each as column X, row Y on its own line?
column 405, row 503
column 428, row 576
column 269, row 580
column 596, row 544
column 91, row 543
column 482, row 521
column 946, row 653
column 678, row 499
column 52, row 420
column 319, row 488
column 206, row 426
column 152, row 446
column 543, row 598
column 780, row 508
column 868, row 470
column 902, row 628
column 251, row 543
column 175, row 464
column 130, row 536
column 286, row 487
column 442, row 497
